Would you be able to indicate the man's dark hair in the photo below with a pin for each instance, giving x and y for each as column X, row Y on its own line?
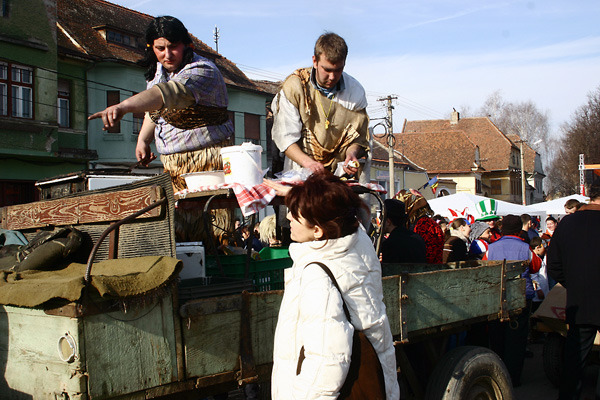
column 332, row 46
column 535, row 242
column 594, row 191
column 572, row 203
column 525, row 218
column 511, row 225
column 396, row 212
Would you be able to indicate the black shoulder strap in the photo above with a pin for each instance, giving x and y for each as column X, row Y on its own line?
column 328, row 272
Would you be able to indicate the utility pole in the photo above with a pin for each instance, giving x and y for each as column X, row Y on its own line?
column 523, row 197
column 581, row 175
column 391, row 140
column 216, row 37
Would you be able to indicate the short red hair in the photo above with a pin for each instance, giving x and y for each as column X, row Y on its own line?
column 324, row 200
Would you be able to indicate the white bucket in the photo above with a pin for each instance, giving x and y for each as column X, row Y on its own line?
column 242, row 164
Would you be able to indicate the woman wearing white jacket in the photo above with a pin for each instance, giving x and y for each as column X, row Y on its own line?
column 324, row 225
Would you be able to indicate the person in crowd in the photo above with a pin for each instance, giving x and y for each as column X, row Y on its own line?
column 551, row 223
column 480, row 238
column 323, row 214
column 443, row 223
column 319, row 116
column 540, row 278
column 527, row 230
column 509, row 339
column 456, row 248
column 572, row 205
column 250, row 240
column 574, row 261
column 402, row 245
column 487, row 213
column 420, row 221
column 268, row 231
column 186, row 115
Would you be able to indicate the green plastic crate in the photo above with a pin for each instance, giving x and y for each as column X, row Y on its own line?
column 266, row 273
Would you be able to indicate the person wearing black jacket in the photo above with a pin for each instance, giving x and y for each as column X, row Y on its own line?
column 402, row 245
column 574, row 261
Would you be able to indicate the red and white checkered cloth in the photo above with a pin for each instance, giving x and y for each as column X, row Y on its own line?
column 251, row 199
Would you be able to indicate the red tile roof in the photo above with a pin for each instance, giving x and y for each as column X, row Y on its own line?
column 494, row 146
column 380, row 155
column 438, row 152
column 80, row 23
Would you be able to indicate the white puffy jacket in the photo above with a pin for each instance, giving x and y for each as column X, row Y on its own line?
column 311, row 315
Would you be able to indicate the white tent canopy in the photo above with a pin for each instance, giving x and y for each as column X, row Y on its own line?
column 463, row 205
column 556, row 206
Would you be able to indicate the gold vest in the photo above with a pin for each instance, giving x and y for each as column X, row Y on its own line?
column 345, row 127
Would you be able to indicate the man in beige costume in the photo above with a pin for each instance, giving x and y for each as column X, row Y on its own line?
column 320, row 115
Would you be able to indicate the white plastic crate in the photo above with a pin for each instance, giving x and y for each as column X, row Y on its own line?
column 193, row 257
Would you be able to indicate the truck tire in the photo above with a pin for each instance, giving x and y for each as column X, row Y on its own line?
column 468, row 373
column 553, row 354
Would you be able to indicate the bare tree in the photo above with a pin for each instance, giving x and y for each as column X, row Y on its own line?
column 523, row 119
column 581, row 136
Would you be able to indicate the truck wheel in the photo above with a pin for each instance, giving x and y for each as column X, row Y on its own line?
column 553, row 354
column 469, row 373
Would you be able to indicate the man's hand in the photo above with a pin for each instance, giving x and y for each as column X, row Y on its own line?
column 314, row 166
column 351, row 163
column 351, row 166
column 295, row 153
column 110, row 116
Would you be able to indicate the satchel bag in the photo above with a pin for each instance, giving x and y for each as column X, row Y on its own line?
column 365, row 375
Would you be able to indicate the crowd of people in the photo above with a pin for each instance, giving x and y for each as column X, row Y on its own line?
column 564, row 252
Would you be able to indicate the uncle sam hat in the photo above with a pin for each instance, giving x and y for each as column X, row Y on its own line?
column 487, row 210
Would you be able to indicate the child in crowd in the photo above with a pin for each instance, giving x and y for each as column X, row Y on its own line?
column 540, row 278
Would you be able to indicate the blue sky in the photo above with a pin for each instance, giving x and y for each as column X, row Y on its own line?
column 432, row 55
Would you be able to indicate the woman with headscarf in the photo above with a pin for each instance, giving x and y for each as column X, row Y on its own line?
column 186, row 114
column 186, row 100
column 421, row 222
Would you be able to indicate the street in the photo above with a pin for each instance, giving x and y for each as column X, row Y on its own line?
column 537, row 387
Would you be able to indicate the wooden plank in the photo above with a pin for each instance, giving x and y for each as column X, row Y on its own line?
column 127, row 352
column 30, row 361
column 102, row 207
column 449, row 296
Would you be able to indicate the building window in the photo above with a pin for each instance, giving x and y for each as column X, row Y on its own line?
column 496, row 186
column 3, row 88
column 120, row 38
column 113, row 97
column 4, row 8
column 17, row 192
column 64, row 103
column 252, row 128
column 515, row 186
column 478, row 186
column 16, row 90
column 138, row 120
